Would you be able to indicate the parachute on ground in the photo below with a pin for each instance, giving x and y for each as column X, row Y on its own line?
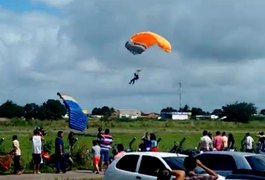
column 141, row 41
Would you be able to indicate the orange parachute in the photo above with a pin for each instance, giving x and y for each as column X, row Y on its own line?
column 141, row 41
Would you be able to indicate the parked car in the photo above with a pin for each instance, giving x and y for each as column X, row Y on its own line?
column 246, row 174
column 225, row 162
column 143, row 165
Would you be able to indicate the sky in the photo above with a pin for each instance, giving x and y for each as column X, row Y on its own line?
column 76, row 47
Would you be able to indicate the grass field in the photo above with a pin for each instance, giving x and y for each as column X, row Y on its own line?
column 124, row 131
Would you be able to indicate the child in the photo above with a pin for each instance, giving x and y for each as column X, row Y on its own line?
column 153, row 143
column 17, row 153
column 96, row 155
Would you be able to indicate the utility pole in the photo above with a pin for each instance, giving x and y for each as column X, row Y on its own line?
column 180, row 97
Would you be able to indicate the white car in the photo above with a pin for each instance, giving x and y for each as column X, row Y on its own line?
column 143, row 165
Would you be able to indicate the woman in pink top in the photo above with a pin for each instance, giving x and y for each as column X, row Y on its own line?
column 218, row 141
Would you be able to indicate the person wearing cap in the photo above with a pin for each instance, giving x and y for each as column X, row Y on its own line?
column 59, row 153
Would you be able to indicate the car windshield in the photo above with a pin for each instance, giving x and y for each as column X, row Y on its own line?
column 176, row 163
column 257, row 163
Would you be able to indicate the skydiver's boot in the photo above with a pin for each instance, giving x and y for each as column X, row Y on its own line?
column 132, row 81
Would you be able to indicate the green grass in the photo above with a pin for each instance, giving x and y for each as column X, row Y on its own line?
column 123, row 132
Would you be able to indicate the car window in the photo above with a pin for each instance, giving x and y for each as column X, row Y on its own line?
column 128, row 163
column 256, row 162
column 177, row 163
column 149, row 165
column 218, row 161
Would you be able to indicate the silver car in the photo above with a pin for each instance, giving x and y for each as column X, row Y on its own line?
column 143, row 165
column 225, row 162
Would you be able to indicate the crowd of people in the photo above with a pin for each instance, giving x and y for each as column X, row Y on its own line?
column 224, row 142
column 103, row 143
column 37, row 139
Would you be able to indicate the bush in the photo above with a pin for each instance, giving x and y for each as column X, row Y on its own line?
column 47, row 146
column 81, row 157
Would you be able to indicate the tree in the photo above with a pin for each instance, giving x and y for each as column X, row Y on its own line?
column 262, row 112
column 96, row 111
column 217, row 112
column 105, row 111
column 31, row 111
column 186, row 108
column 239, row 112
column 168, row 109
column 10, row 110
column 197, row 111
column 52, row 109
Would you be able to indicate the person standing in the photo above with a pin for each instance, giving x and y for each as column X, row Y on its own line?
column 225, row 141
column 71, row 140
column 205, row 143
column 96, row 155
column 261, row 143
column 249, row 141
column 231, row 142
column 36, row 150
column 17, row 154
column 59, row 153
column 146, row 141
column 153, row 140
column 218, row 141
column 105, row 145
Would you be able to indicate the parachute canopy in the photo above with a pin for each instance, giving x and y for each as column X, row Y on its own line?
column 141, row 41
column 77, row 118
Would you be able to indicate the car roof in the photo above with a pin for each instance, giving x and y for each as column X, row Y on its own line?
column 157, row 154
column 232, row 153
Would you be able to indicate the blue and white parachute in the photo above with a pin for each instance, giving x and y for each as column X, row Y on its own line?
column 77, row 118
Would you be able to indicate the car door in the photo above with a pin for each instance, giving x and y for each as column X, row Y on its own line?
column 125, row 168
column 221, row 163
column 148, row 167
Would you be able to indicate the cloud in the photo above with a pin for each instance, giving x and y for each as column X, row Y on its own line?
column 218, row 53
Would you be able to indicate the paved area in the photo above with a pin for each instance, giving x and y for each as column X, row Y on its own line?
column 70, row 175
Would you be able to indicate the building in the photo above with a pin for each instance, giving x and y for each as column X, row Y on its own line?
column 202, row 117
column 176, row 115
column 128, row 113
column 151, row 115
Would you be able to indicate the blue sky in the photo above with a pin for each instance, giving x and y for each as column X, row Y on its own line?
column 20, row 6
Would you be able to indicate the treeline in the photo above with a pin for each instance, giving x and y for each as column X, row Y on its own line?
column 54, row 110
column 237, row 112
column 50, row 110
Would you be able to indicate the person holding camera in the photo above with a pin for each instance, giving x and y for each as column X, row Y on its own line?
column 36, row 148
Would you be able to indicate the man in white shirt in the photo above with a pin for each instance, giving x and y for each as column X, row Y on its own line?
column 249, row 141
column 36, row 150
column 205, row 143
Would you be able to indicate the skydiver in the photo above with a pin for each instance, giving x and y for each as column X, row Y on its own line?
column 136, row 77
